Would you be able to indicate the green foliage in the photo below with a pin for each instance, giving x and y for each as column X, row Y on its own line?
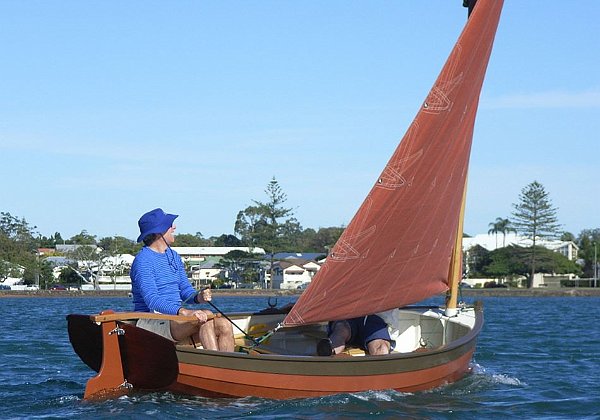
column 186, row 239
column 69, row 277
column 115, row 245
column 475, row 259
column 245, row 265
column 535, row 217
column 269, row 224
column 227, row 240
column 505, row 262
column 502, row 226
column 51, row 241
column 83, row 238
column 17, row 246
column 514, row 261
column 321, row 240
column 589, row 250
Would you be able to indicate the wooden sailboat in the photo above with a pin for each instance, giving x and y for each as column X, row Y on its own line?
column 402, row 246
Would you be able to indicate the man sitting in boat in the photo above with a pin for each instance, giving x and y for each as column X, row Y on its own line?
column 160, row 284
column 369, row 333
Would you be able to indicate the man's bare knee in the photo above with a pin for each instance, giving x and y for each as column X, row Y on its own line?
column 378, row 347
column 223, row 326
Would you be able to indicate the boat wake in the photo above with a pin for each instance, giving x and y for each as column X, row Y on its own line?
column 483, row 379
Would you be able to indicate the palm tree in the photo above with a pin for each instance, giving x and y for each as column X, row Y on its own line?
column 502, row 226
column 495, row 229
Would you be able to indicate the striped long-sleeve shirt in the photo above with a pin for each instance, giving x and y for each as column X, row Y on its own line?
column 159, row 282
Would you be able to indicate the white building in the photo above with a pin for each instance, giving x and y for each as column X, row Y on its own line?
column 492, row 242
column 204, row 274
column 292, row 274
column 193, row 255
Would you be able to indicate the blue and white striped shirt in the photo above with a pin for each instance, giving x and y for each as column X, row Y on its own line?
column 159, row 282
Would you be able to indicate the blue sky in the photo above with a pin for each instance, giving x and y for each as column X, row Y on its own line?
column 109, row 108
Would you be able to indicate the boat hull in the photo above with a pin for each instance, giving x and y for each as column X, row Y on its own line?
column 149, row 362
column 290, row 378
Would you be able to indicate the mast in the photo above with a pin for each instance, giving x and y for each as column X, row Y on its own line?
column 455, row 273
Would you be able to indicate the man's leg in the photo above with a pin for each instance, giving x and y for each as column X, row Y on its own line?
column 378, row 347
column 340, row 335
column 205, row 332
column 374, row 332
column 224, row 333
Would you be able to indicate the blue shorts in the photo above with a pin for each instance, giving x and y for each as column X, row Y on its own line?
column 366, row 329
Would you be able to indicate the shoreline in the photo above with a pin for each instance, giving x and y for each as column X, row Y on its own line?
column 496, row 292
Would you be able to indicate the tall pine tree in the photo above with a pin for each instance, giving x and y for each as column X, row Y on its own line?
column 268, row 224
column 535, row 218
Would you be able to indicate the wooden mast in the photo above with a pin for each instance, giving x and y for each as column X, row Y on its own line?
column 455, row 273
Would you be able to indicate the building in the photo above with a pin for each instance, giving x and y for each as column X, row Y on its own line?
column 492, row 242
column 293, row 273
column 196, row 255
column 204, row 274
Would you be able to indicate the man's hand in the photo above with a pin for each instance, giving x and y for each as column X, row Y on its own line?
column 205, row 295
column 202, row 316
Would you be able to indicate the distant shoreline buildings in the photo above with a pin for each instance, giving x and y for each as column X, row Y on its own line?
column 290, row 270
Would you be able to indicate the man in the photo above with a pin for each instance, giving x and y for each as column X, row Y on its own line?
column 369, row 333
column 160, row 284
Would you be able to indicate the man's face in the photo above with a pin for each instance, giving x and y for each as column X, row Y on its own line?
column 169, row 235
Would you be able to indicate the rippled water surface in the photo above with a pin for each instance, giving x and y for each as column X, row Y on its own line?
column 536, row 358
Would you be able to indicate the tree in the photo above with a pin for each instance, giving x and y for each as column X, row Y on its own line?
column 502, row 226
column 474, row 261
column 227, row 240
column 119, row 245
column 186, row 239
column 589, row 248
column 268, row 224
column 535, row 218
column 83, row 238
column 321, row 240
column 242, row 266
column 515, row 260
column 18, row 247
column 504, row 262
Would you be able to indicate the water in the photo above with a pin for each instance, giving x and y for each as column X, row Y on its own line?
column 536, row 358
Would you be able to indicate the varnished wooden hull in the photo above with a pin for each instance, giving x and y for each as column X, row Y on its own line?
column 282, row 378
column 149, row 362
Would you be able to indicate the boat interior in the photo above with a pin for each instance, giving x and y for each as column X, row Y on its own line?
column 414, row 329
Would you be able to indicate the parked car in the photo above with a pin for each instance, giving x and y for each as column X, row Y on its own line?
column 58, row 287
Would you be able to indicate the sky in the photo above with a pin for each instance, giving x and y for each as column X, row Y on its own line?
column 109, row 109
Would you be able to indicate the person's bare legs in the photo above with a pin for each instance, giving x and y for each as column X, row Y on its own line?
column 339, row 336
column 378, row 347
column 204, row 332
column 223, row 331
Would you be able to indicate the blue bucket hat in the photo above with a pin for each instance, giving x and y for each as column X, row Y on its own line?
column 155, row 221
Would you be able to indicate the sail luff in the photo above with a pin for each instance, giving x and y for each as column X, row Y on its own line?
column 456, row 267
column 398, row 248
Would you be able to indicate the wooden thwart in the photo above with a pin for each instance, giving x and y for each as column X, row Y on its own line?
column 124, row 316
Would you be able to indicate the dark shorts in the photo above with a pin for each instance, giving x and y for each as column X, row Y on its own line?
column 366, row 329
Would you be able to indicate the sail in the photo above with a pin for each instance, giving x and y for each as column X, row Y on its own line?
column 397, row 249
